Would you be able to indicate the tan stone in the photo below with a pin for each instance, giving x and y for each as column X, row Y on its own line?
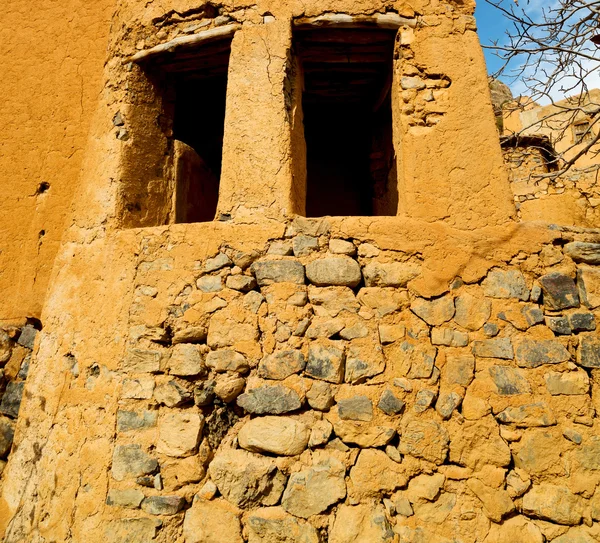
column 554, row 503
column 274, row 525
column 363, row 434
column 361, row 523
column 514, row 529
column 276, row 435
column 212, row 522
column 496, row 503
column 374, row 473
column 179, row 433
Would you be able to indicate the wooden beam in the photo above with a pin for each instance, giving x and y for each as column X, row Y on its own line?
column 342, row 20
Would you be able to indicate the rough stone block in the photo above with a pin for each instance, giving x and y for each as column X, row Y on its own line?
column 131, row 461
column 179, row 434
column 390, row 274
column 568, row 383
column 580, row 251
column 356, row 408
column 509, row 381
column 559, row 291
column 529, row 415
column 505, row 284
column 225, row 360
column 588, row 353
column 270, row 399
column 326, row 361
column 276, row 435
column 588, row 282
column 532, row 353
column 334, row 271
column 434, row 312
column 133, row 420
column 163, row 505
column 425, row 439
column 472, row 312
column 212, row 522
column 11, row 400
column 363, row 434
column 268, row 272
column 281, row 365
column 274, row 525
column 361, row 523
column 390, row 404
column 186, row 361
column 553, row 503
column 494, row 348
column 131, row 497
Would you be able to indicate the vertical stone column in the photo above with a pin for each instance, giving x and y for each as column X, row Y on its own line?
column 449, row 157
column 257, row 169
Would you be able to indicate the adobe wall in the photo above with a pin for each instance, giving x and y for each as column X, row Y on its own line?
column 265, row 377
column 52, row 73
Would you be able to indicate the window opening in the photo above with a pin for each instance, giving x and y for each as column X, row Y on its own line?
column 582, row 132
column 194, row 89
column 347, row 113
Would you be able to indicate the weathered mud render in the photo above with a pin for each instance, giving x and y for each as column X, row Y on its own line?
column 426, row 371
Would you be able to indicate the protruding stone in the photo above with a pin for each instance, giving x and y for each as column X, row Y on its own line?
column 342, row 247
column 581, row 251
column 186, row 361
column 361, row 523
column 392, row 274
column 356, row 408
column 225, row 360
column 163, row 505
column 390, row 404
column 274, row 525
column 172, row 394
column 212, row 522
column 505, row 284
column 446, row 404
column 424, row 400
column 529, row 415
column 179, row 433
column 588, row 353
column 494, row 348
column 281, row 365
column 326, row 362
column 305, row 245
column 313, row 490
column 130, row 497
column 276, row 435
column 320, row 433
column 218, row 262
column 509, row 381
column 559, row 325
column 459, row 369
column 420, row 359
column 268, row 272
column 243, row 283
column 210, row 283
column 270, row 399
column 531, row 353
column 144, row 361
column 229, row 387
column 559, row 291
column 334, row 271
column 582, row 322
column 131, row 461
column 374, row 473
column 425, row 488
column 134, row 420
column 320, row 396
column 553, row 503
column 140, row 388
column 588, row 282
column 363, row 434
column 425, row 439
column 490, row 329
column 390, row 333
column 11, row 400
column 434, row 312
column 7, row 433
column 27, row 336
column 449, row 337
column 246, row 479
column 472, row 312
column 363, row 360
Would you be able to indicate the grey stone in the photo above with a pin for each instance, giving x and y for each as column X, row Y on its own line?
column 205, row 393
column 246, row 479
column 334, row 271
column 447, row 403
column 320, row 433
column 134, row 420
column 424, row 400
column 390, row 274
column 505, row 284
column 141, row 388
column 281, row 365
column 163, row 505
column 421, row 358
column 218, row 262
column 131, row 461
column 559, row 325
column 588, row 353
column 268, row 272
column 210, row 283
column 320, row 396
column 273, row 525
column 434, row 312
column 326, row 362
column 314, row 490
column 581, row 251
column 553, row 503
column 131, row 498
column 225, row 360
column 357, row 331
column 491, row 329
column 494, row 348
column 324, row 328
column 243, row 283
column 559, row 291
column 533, row 314
column 270, row 399
column 531, row 353
column 472, row 312
column 527, row 416
column 356, row 408
column 304, row 245
column 118, row 119
column 588, row 282
column 425, row 439
column 253, row 300
column 144, row 361
column 589, row 454
column 7, row 433
column 509, row 380
column 27, row 336
column 390, row 404
column 568, row 383
column 11, row 400
column 5, row 347
column 573, row 435
column 282, row 436
column 536, row 293
column 172, row 394
column 410, row 83
column 582, row 322
column 363, row 361
column 362, row 524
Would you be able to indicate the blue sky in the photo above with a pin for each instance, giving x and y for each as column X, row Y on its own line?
column 491, row 25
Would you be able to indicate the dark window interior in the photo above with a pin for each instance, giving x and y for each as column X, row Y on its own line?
column 195, row 102
column 348, row 120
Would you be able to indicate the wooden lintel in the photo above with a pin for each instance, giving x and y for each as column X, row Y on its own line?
column 342, row 20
